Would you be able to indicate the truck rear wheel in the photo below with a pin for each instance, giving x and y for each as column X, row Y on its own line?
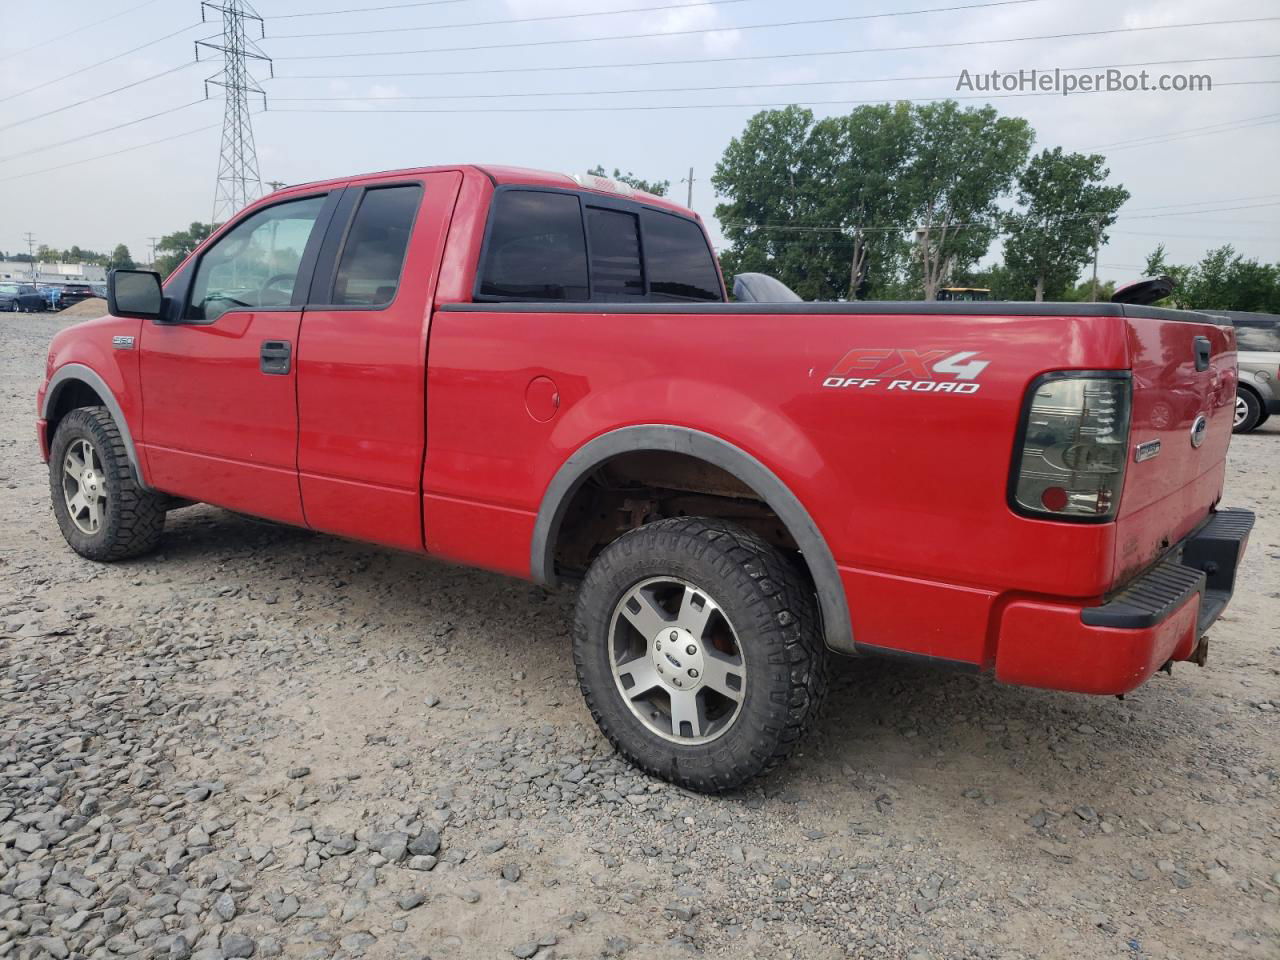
column 102, row 511
column 699, row 652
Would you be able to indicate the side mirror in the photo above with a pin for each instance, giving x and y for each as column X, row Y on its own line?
column 135, row 293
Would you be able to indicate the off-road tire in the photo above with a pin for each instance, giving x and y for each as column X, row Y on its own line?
column 1253, row 416
column 773, row 609
column 134, row 517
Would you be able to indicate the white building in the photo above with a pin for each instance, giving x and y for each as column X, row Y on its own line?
column 16, row 270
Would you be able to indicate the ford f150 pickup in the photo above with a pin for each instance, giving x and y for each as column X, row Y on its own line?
column 542, row 375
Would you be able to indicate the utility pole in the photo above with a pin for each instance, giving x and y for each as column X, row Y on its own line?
column 31, row 252
column 239, row 183
column 1097, row 238
column 153, row 240
column 689, row 181
column 275, row 185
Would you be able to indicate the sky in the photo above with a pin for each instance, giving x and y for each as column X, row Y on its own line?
column 551, row 92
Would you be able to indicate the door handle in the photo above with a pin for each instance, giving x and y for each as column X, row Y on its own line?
column 1202, row 353
column 276, row 357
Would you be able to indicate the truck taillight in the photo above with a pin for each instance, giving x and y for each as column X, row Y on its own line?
column 1073, row 445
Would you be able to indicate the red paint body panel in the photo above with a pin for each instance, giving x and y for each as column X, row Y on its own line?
column 216, row 428
column 937, row 620
column 1164, row 498
column 1044, row 644
column 361, row 398
column 439, row 430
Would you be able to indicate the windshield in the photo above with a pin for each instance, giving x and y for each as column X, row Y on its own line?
column 8, row 288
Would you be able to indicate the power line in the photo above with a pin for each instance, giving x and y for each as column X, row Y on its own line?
column 507, row 21
column 389, row 6
column 1230, row 124
column 93, row 66
column 113, row 153
column 904, row 228
column 99, row 96
column 761, row 26
column 1198, row 203
column 738, row 86
column 63, row 34
column 1194, row 236
column 719, row 87
column 94, row 133
column 690, row 106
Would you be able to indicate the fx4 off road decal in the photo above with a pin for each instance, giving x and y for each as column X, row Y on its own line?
column 907, row 371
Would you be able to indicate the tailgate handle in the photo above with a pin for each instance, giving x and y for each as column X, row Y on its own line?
column 1202, row 353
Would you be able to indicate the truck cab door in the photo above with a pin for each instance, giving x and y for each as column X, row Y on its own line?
column 218, row 377
column 362, row 359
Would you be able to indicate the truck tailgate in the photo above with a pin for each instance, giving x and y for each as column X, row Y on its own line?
column 1184, row 385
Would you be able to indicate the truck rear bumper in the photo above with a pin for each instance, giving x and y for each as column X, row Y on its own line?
column 1116, row 646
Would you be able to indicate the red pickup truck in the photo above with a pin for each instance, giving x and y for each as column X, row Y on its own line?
column 542, row 375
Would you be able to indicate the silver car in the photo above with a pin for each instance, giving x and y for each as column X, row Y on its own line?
column 1258, row 340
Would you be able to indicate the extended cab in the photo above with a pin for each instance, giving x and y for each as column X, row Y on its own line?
column 541, row 375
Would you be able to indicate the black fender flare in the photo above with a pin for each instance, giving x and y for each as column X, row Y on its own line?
column 704, row 446
column 71, row 372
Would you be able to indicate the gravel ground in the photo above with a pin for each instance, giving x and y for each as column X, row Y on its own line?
column 262, row 742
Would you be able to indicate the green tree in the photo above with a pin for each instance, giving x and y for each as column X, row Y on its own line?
column 773, row 212
column 1224, row 280
column 963, row 161
column 120, row 259
column 658, row 188
column 862, row 157
column 174, row 247
column 1066, row 208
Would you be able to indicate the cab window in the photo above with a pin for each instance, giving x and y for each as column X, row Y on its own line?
column 256, row 263
column 678, row 259
column 369, row 271
column 536, row 248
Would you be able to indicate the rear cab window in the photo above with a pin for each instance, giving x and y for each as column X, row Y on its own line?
column 368, row 273
column 547, row 245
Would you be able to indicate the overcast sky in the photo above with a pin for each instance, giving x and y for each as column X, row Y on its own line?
column 1179, row 185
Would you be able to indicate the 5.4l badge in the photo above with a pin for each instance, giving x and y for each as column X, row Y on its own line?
column 909, row 371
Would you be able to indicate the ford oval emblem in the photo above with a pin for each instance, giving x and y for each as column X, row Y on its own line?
column 1198, row 429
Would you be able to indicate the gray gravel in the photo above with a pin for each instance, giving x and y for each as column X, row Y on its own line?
column 263, row 743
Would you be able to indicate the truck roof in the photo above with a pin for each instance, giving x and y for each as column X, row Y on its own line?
column 523, row 176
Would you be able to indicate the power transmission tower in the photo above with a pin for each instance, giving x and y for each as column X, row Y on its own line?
column 238, row 181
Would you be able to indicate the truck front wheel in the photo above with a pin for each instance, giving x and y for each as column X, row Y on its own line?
column 699, row 652
column 102, row 511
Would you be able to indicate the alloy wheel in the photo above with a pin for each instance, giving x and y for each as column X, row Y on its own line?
column 676, row 660
column 84, row 486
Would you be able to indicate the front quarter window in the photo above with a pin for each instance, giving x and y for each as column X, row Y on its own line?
column 255, row 264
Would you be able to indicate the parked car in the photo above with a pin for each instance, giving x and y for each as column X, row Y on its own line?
column 541, row 375
column 1258, row 392
column 73, row 293
column 24, row 297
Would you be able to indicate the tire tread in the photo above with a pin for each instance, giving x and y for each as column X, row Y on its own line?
column 792, row 607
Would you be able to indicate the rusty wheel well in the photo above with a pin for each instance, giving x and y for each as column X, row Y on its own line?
column 70, row 396
column 639, row 487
